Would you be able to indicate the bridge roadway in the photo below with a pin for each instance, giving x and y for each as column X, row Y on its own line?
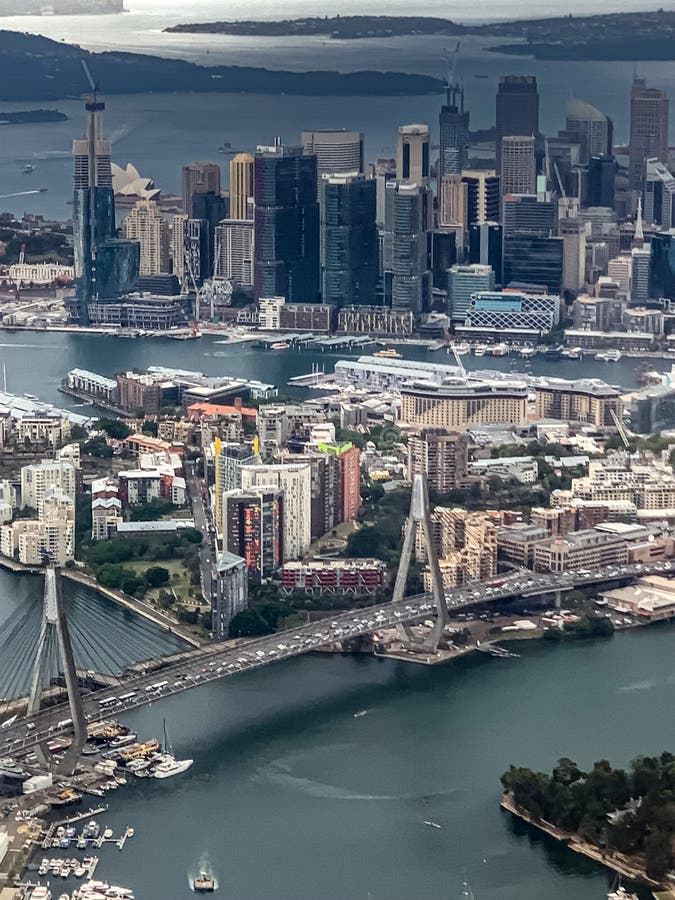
column 193, row 669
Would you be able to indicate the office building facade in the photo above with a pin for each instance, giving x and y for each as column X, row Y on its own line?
column 483, row 195
column 198, row 178
column 517, row 174
column 600, row 181
column 516, row 109
column 590, row 128
column 534, row 260
column 241, row 185
column 463, row 281
column 337, row 151
column 406, row 252
column 413, row 154
column 648, row 129
column 349, row 266
column 234, row 251
column 453, row 122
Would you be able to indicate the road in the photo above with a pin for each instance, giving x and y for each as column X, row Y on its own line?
column 193, row 670
column 202, row 515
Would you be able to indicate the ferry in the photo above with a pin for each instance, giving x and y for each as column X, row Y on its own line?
column 280, row 345
column 609, row 356
column 388, row 353
column 552, row 353
column 204, row 884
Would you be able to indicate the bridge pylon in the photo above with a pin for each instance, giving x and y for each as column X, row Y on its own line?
column 55, row 625
column 420, row 517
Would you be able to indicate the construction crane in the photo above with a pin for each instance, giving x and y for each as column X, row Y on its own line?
column 92, row 84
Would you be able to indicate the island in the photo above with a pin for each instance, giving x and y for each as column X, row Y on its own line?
column 624, row 819
column 30, row 116
column 37, row 68
column 611, row 36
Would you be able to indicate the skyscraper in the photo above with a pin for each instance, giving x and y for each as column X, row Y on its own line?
column 534, row 261
column 146, row 224
column 659, row 194
column 336, row 151
column 241, row 185
column 648, row 129
column 453, row 201
column 196, row 261
column 406, row 250
column 662, row 267
column 177, row 244
column 517, row 109
column 518, row 170
column 526, row 214
column 253, row 528
column 589, row 127
column 286, row 224
column 105, row 266
column 210, row 208
column 483, row 195
column 573, row 233
column 412, row 153
column 348, row 240
column 601, row 177
column 453, row 123
column 485, row 246
column 198, row 178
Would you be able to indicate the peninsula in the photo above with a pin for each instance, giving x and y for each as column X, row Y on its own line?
column 621, row 818
column 613, row 36
column 31, row 116
column 37, row 68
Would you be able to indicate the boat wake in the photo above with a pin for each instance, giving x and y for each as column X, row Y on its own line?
column 203, row 865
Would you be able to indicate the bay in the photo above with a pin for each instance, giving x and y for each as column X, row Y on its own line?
column 292, row 798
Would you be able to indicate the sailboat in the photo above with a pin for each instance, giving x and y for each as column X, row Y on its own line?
column 619, row 892
column 168, row 765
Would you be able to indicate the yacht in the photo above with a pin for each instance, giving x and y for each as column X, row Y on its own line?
column 499, row 350
column 169, row 766
column 572, row 353
column 528, row 351
column 609, row 356
column 621, row 894
column 461, row 348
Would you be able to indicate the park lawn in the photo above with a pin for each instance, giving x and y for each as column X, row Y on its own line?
column 179, row 576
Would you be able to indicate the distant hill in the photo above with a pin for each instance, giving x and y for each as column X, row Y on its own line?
column 37, row 68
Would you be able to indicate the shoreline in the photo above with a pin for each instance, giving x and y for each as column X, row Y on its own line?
column 627, row 866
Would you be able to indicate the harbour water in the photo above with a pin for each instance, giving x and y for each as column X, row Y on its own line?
column 292, row 797
column 37, row 361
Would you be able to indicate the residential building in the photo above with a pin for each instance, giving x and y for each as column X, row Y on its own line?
column 349, row 267
column 198, row 178
column 516, row 544
column 639, row 279
column 276, row 423
column 241, row 185
column 441, row 454
column 405, row 253
column 412, row 154
column 523, row 469
column 334, row 576
column 7, row 501
column 106, row 508
column 177, row 244
column 585, row 400
column 459, row 406
column 231, row 595
column 146, row 224
column 556, row 520
column 253, row 528
column 36, row 479
column 295, row 481
column 648, row 129
column 234, row 251
column 517, row 174
column 286, row 242
column 465, row 544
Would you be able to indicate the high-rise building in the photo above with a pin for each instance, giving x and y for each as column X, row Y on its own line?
column 231, row 596
column 241, row 185
column 349, row 264
column 453, row 121
column 105, row 266
column 527, row 214
column 485, row 246
column 210, row 208
column 286, row 224
column 146, row 224
column 197, row 265
column 463, row 281
column 534, row 261
column 253, row 524
column 406, row 250
column 443, row 255
column 295, row 481
column 336, row 151
column 600, row 185
column 382, row 170
column 458, row 407
column 441, row 455
column 620, row 269
column 518, row 168
column 198, row 178
column 412, row 154
column 648, row 129
column 453, row 201
column 517, row 110
column 639, row 278
column 177, row 244
column 662, row 266
column 234, row 251
column 573, row 233
column 483, row 195
column 590, row 128
column 659, row 193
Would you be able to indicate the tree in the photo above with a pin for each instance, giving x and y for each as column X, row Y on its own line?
column 150, row 428
column 114, row 428
column 156, row 576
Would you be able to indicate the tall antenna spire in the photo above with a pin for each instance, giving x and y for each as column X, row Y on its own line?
column 638, row 237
